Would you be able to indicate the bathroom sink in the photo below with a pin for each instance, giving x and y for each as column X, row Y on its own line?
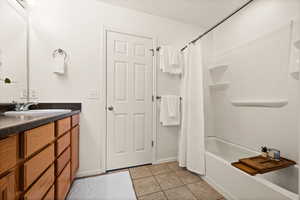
column 36, row 113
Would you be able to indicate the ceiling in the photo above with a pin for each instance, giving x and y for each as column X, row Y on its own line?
column 204, row 13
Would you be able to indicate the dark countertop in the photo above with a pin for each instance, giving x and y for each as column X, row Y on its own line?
column 13, row 125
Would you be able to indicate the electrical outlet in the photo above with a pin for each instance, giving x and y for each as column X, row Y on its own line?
column 23, row 94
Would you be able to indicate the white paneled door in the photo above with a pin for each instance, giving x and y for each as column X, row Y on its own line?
column 129, row 100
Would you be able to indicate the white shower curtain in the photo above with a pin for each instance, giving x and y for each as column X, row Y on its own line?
column 191, row 142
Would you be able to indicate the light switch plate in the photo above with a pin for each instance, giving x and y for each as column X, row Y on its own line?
column 93, row 95
column 33, row 94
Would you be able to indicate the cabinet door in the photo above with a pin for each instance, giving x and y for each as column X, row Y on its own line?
column 63, row 143
column 41, row 186
column 63, row 126
column 37, row 165
column 63, row 183
column 63, row 160
column 36, row 139
column 75, row 151
column 75, row 120
column 7, row 187
column 50, row 195
column 8, row 153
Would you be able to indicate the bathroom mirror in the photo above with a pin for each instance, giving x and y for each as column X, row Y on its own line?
column 13, row 52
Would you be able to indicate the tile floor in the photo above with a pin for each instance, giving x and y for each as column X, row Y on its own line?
column 170, row 182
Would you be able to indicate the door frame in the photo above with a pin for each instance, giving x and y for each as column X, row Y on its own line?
column 104, row 141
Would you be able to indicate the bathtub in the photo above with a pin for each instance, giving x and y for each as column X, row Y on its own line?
column 237, row 185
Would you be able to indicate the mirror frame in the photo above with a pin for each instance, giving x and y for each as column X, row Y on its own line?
column 20, row 6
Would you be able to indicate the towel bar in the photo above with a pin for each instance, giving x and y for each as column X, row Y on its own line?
column 159, row 98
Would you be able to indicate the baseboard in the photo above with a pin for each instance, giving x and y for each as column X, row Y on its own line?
column 165, row 160
column 101, row 171
column 219, row 188
column 89, row 173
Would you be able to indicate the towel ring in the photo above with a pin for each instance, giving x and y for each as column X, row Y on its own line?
column 60, row 52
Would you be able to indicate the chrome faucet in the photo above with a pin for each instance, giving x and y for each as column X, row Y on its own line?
column 23, row 106
column 17, row 105
column 26, row 106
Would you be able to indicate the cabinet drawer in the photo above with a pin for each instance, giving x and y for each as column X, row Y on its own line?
column 74, row 151
column 62, row 143
column 63, row 126
column 50, row 195
column 37, row 138
column 8, row 187
column 40, row 188
column 63, row 159
column 8, row 153
column 36, row 165
column 75, row 120
column 63, row 183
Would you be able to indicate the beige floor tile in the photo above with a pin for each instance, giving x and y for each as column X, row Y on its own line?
column 187, row 177
column 174, row 166
column 144, row 186
column 168, row 181
column 203, row 191
column 180, row 193
column 140, row 172
column 155, row 196
column 159, row 169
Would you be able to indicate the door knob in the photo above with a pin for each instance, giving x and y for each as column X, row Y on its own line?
column 110, row 108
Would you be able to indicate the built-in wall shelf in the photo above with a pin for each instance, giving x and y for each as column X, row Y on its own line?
column 260, row 103
column 219, row 86
column 297, row 44
column 218, row 68
column 296, row 73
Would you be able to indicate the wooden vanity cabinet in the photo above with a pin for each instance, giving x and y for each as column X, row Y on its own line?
column 37, row 165
column 63, row 143
column 8, row 153
column 39, row 189
column 36, row 139
column 74, row 151
column 50, row 194
column 62, row 126
column 63, row 183
column 63, row 160
column 8, row 187
column 41, row 163
column 67, row 163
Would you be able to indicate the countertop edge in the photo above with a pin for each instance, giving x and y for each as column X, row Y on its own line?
column 16, row 129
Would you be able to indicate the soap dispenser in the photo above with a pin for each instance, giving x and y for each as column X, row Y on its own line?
column 264, row 152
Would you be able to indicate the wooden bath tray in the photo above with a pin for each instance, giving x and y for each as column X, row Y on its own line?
column 260, row 165
column 245, row 168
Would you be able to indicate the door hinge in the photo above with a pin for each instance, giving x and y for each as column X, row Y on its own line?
column 152, row 98
column 152, row 50
column 152, row 143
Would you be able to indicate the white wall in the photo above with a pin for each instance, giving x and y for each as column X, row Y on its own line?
column 12, row 52
column 256, row 45
column 77, row 27
column 167, row 137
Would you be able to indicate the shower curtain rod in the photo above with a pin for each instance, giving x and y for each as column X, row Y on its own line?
column 215, row 26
